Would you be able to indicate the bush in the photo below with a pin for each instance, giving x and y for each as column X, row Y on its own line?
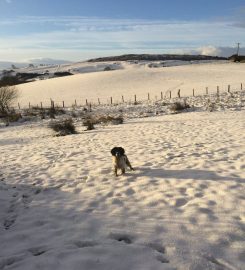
column 8, row 80
column 178, row 106
column 63, row 127
column 89, row 124
column 8, row 95
column 107, row 119
column 102, row 119
column 108, row 68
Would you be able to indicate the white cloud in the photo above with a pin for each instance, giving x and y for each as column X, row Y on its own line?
column 82, row 37
column 209, row 50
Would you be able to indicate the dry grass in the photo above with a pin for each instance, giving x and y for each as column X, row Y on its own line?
column 179, row 106
column 63, row 127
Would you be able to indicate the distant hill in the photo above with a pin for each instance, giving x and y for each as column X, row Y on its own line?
column 32, row 62
column 156, row 57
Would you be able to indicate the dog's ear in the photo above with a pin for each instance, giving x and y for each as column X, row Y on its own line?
column 121, row 150
column 114, row 150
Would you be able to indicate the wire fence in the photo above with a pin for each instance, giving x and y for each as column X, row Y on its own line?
column 133, row 99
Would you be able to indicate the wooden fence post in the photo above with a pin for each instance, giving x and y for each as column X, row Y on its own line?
column 86, row 102
column 179, row 93
column 90, row 107
column 161, row 95
column 29, row 105
column 193, row 92
column 75, row 102
column 122, row 99
column 63, row 103
column 229, row 89
column 98, row 101
column 241, row 86
column 170, row 94
column 41, row 105
column 111, row 100
column 217, row 90
column 148, row 96
column 19, row 105
column 135, row 99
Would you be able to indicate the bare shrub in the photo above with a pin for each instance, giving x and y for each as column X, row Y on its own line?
column 8, row 95
column 13, row 116
column 108, row 119
column 63, row 127
column 178, row 106
column 88, row 123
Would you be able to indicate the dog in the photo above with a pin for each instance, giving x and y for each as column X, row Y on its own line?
column 120, row 160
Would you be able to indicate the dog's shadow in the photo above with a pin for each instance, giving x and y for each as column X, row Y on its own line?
column 193, row 174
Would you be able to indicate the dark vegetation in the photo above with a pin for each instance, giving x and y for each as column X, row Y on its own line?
column 179, row 106
column 8, row 95
column 156, row 57
column 63, row 127
column 62, row 74
column 9, row 79
column 90, row 120
column 237, row 58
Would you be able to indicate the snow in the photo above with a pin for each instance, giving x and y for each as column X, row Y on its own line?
column 182, row 207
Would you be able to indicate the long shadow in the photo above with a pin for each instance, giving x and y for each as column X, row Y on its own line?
column 182, row 174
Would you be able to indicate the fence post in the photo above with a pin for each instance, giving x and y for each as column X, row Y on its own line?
column 19, row 105
column 229, row 89
column 86, row 102
column 179, row 93
column 111, row 100
column 122, row 99
column 241, row 86
column 170, row 94
column 148, row 96
column 41, row 105
column 63, row 103
column 217, row 90
column 206, row 90
column 75, row 102
column 135, row 99
column 193, row 92
column 90, row 107
column 29, row 105
column 161, row 95
column 98, row 101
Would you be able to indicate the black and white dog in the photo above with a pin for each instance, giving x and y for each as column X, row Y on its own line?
column 120, row 160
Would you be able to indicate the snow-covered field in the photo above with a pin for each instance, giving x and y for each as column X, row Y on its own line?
column 133, row 79
column 182, row 207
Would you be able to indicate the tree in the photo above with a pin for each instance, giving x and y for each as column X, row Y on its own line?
column 8, row 95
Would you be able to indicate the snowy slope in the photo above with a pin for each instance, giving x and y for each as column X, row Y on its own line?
column 133, row 79
column 182, row 208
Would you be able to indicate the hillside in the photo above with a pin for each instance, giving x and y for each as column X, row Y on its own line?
column 132, row 79
column 156, row 57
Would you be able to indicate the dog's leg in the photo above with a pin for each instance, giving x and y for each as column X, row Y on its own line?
column 115, row 170
column 128, row 164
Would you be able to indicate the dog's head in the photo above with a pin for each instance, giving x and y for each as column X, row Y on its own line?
column 117, row 151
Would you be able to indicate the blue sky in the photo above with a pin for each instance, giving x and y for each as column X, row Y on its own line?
column 77, row 30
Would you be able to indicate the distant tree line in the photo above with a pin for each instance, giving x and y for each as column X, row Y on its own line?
column 8, row 79
column 156, row 57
